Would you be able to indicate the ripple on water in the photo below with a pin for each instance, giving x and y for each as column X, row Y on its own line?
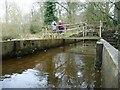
column 27, row 79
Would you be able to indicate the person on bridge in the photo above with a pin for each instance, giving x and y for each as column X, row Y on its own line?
column 54, row 26
column 60, row 26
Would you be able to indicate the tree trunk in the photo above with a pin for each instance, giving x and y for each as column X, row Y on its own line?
column 117, row 7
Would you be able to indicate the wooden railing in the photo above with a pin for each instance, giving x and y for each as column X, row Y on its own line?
column 82, row 28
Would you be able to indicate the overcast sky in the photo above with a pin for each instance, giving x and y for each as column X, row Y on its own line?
column 26, row 5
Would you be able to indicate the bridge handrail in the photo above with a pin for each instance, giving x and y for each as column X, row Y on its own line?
column 79, row 27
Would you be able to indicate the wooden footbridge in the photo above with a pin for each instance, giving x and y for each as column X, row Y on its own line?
column 71, row 34
column 82, row 30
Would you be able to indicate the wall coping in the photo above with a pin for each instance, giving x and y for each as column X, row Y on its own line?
column 27, row 40
column 114, row 53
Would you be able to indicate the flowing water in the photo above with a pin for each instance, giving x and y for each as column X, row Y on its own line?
column 70, row 66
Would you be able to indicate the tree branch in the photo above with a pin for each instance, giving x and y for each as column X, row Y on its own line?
column 117, row 5
column 106, row 14
column 63, row 7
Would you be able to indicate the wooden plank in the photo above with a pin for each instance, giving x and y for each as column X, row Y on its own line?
column 88, row 38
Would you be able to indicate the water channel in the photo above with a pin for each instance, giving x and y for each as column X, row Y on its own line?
column 70, row 66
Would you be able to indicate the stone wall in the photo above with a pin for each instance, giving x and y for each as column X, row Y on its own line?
column 110, row 66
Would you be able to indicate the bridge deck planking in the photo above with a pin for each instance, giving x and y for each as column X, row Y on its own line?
column 80, row 38
column 87, row 38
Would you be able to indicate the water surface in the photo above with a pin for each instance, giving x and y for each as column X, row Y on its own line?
column 70, row 66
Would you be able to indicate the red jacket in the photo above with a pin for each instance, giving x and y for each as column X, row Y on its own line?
column 60, row 26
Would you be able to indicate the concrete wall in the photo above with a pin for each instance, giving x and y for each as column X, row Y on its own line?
column 110, row 66
column 110, row 55
column 23, row 47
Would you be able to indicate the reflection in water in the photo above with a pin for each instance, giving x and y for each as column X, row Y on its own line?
column 62, row 67
column 29, row 78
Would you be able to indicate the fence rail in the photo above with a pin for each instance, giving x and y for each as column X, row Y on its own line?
column 83, row 29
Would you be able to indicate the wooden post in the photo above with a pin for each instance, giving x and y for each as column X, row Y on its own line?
column 78, row 29
column 99, row 50
column 65, row 30
column 46, row 34
column 100, row 28
column 83, row 30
